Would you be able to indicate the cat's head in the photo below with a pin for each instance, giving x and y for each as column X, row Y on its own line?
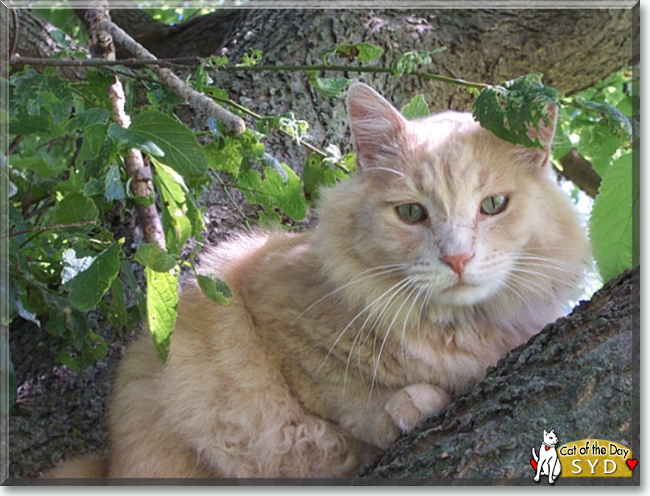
column 442, row 203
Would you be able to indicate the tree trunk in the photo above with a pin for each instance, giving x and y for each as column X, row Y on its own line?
column 579, row 376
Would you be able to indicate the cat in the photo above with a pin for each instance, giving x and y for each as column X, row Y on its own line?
column 446, row 248
column 547, row 462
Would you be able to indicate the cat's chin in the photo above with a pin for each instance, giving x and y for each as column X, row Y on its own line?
column 463, row 295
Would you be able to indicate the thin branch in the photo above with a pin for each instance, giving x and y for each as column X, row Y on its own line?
column 49, row 228
column 132, row 62
column 14, row 43
column 140, row 173
column 193, row 61
column 174, row 83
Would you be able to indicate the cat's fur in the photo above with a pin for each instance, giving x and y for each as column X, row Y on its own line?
column 339, row 339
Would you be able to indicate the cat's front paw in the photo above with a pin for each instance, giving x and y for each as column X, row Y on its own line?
column 414, row 403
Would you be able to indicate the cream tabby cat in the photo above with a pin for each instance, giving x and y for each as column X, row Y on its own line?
column 446, row 249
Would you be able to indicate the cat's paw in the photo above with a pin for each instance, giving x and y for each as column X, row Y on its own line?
column 414, row 403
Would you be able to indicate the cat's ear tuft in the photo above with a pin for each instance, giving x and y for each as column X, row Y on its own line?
column 377, row 127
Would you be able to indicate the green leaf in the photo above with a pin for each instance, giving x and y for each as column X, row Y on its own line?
column 162, row 308
column 88, row 286
column 153, row 256
column 275, row 191
column 333, row 87
column 416, row 108
column 598, row 145
column 129, row 276
column 92, row 348
column 617, row 122
column 37, row 92
column 30, row 124
column 172, row 180
column 177, row 226
column 134, row 139
column 72, row 265
column 610, row 226
column 411, row 62
column 88, row 118
column 114, row 188
column 117, row 311
column 325, row 54
column 214, row 288
column 513, row 110
column 41, row 163
column 182, row 152
column 318, row 173
column 225, row 155
column 363, row 52
column 75, row 207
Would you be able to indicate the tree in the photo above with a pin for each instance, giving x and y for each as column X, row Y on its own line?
column 486, row 46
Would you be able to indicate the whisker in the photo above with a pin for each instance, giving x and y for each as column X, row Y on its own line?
column 387, row 269
column 411, row 282
column 370, row 305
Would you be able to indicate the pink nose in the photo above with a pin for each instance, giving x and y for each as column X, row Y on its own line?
column 458, row 262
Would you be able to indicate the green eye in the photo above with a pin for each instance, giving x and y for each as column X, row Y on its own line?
column 411, row 212
column 493, row 205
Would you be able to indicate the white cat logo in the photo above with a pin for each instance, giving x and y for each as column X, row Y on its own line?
column 547, row 463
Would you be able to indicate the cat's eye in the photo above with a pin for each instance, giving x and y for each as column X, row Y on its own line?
column 411, row 212
column 493, row 205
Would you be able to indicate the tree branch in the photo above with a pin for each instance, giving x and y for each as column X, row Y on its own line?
column 140, row 173
column 174, row 83
column 580, row 171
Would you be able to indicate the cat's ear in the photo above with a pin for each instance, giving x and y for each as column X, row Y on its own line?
column 377, row 127
column 544, row 132
column 545, row 433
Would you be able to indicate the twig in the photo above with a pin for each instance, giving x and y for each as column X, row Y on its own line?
column 140, row 173
column 49, row 228
column 191, row 61
column 14, row 43
column 178, row 62
column 174, row 83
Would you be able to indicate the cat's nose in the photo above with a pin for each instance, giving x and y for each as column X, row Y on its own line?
column 457, row 262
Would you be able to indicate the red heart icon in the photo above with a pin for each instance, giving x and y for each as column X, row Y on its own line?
column 548, row 448
column 534, row 464
column 632, row 463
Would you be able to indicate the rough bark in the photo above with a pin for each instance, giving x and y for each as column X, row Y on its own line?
column 579, row 376
column 30, row 36
column 573, row 49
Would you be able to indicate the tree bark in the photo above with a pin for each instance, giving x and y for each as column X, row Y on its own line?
column 579, row 376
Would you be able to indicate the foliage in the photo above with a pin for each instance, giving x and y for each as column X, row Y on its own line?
column 69, row 186
column 597, row 122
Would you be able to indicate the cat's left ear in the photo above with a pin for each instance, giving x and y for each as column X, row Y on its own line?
column 545, row 134
column 378, row 129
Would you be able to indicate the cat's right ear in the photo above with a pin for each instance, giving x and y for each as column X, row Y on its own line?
column 377, row 127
